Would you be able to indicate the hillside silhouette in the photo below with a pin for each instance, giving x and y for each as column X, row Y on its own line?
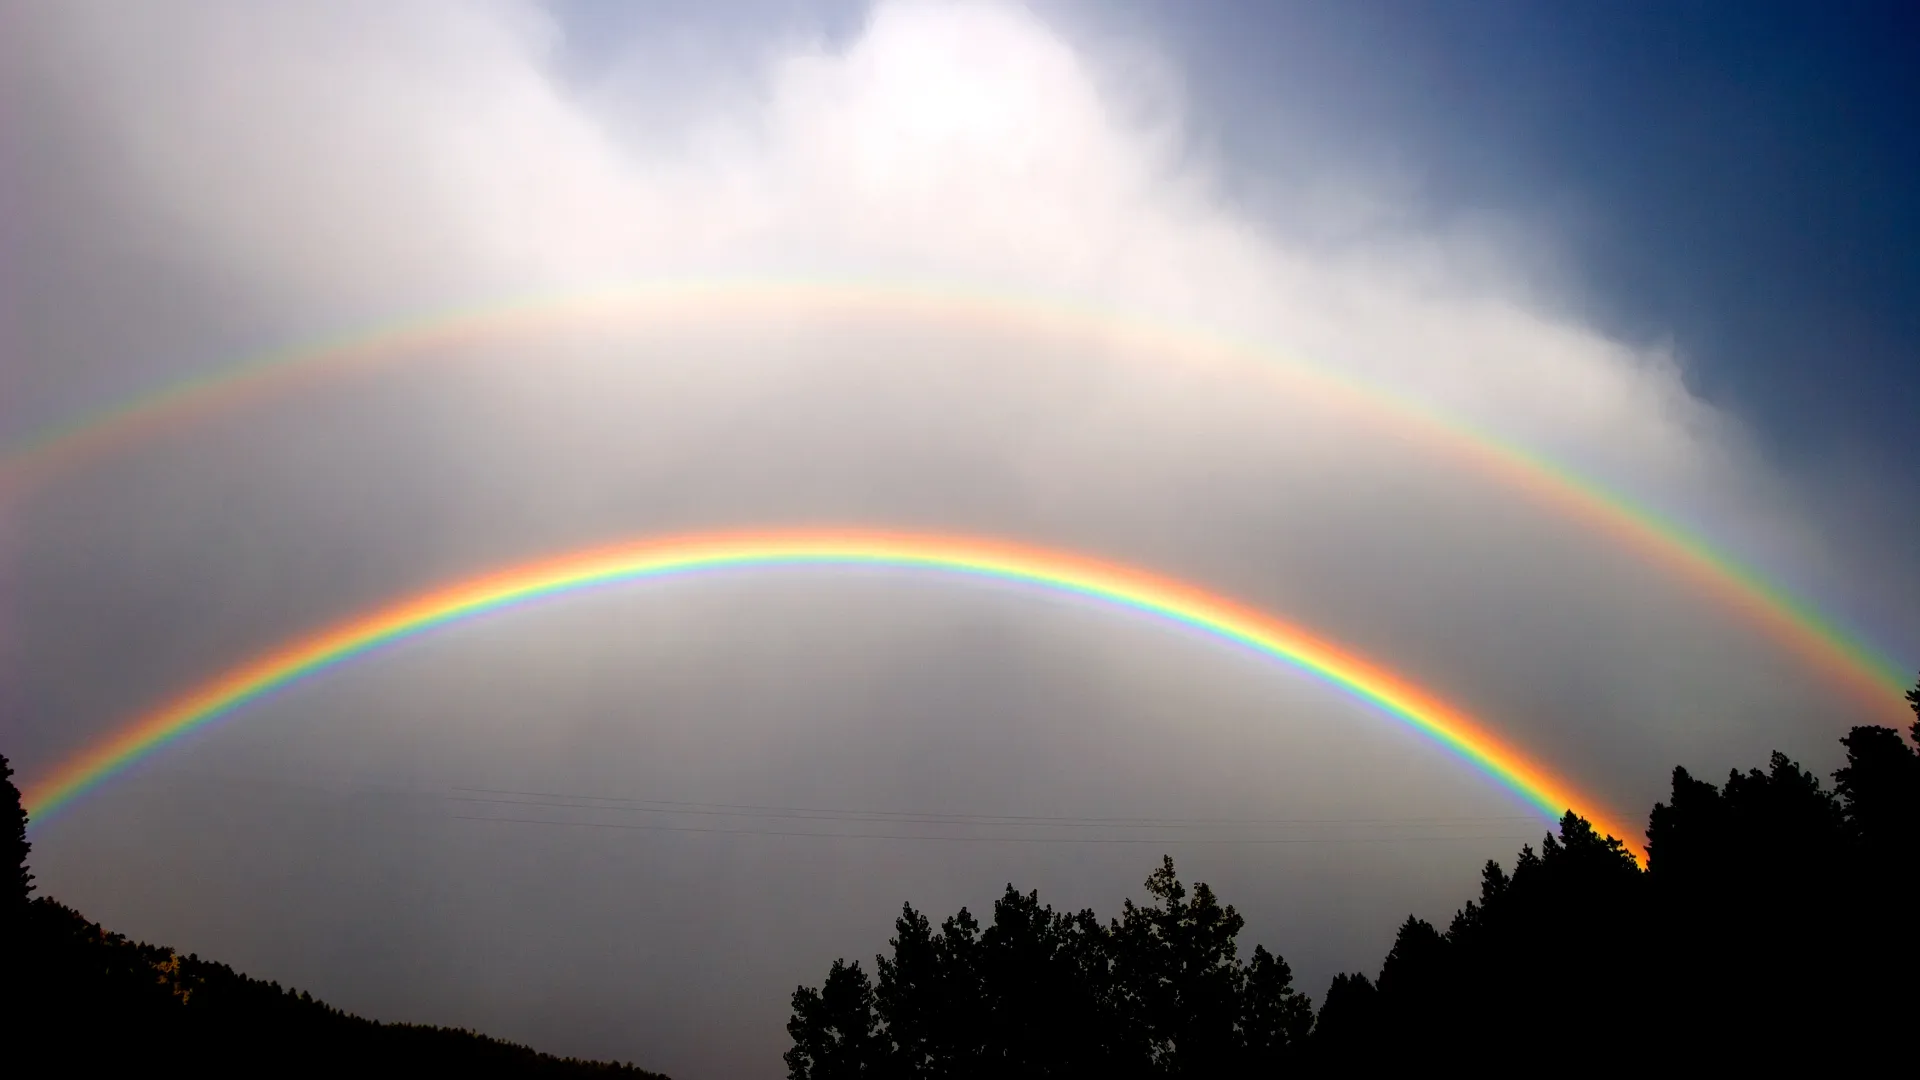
column 1770, row 929
column 91, row 999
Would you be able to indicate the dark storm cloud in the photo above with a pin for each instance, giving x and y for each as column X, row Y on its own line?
column 384, row 157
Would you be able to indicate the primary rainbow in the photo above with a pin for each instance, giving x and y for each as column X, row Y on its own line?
column 1870, row 677
column 1059, row 572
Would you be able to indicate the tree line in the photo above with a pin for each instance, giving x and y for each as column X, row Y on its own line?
column 1771, row 928
column 87, row 1000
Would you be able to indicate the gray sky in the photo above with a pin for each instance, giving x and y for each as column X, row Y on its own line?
column 191, row 183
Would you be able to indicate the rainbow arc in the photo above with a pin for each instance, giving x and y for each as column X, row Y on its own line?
column 1107, row 584
column 1868, row 676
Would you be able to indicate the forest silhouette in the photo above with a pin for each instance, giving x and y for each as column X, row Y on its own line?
column 86, row 1000
column 1768, row 930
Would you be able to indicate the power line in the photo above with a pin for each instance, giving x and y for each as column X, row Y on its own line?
column 595, row 802
column 987, row 839
column 547, row 800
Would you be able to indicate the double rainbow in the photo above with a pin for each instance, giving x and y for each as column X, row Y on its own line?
column 1870, row 677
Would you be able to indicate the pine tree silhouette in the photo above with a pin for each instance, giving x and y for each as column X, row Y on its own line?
column 19, row 888
column 1157, row 992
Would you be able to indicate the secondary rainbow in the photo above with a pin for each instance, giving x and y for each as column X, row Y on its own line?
column 1059, row 572
column 1869, row 676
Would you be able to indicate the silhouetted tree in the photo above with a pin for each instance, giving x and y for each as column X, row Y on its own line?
column 1274, row 1017
column 1879, row 793
column 1346, row 1034
column 835, row 1032
column 1750, row 939
column 930, row 992
column 1044, row 985
column 1416, row 988
column 1567, row 918
column 1178, row 978
column 16, row 905
column 19, row 887
column 1769, row 883
column 1158, row 992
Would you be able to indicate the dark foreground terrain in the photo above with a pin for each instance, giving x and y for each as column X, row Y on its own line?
column 86, row 1001
column 1770, row 929
column 102, row 1001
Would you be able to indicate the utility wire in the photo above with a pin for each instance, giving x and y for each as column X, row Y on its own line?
column 987, row 839
column 596, row 802
column 546, row 800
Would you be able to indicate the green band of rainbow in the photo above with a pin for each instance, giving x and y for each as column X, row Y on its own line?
column 1870, row 677
column 1062, row 573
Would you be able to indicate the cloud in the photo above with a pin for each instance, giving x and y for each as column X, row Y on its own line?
column 190, row 181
